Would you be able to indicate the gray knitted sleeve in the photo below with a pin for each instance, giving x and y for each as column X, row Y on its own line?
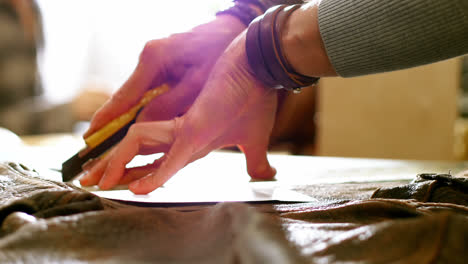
column 369, row 36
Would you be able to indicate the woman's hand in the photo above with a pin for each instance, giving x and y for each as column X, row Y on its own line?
column 182, row 60
column 233, row 108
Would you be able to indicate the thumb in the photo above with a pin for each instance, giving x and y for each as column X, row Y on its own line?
column 258, row 166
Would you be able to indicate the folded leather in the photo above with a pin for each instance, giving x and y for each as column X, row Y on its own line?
column 49, row 222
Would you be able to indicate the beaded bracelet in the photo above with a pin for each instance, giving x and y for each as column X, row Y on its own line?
column 242, row 11
column 265, row 54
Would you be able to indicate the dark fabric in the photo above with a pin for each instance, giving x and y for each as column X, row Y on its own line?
column 379, row 231
column 439, row 188
column 42, row 223
column 51, row 222
column 22, row 191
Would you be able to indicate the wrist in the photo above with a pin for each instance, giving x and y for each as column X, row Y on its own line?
column 265, row 52
column 302, row 43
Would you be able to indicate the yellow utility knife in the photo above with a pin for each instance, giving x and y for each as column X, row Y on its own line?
column 106, row 137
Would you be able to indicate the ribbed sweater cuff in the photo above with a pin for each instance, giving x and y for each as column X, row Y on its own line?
column 367, row 36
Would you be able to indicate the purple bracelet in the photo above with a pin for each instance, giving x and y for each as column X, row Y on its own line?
column 265, row 54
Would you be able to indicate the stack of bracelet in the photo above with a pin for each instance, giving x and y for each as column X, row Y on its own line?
column 242, row 11
column 265, row 54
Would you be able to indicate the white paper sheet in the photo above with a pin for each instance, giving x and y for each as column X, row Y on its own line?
column 245, row 193
column 222, row 176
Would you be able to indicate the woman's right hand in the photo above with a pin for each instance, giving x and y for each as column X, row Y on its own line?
column 183, row 61
column 233, row 108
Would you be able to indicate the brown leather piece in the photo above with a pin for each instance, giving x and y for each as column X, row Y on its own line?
column 439, row 188
column 45, row 221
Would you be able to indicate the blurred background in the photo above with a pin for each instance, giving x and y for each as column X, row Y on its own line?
column 60, row 60
column 98, row 42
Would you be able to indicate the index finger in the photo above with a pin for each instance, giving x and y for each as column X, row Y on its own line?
column 178, row 156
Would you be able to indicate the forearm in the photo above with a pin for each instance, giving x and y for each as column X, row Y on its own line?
column 364, row 37
column 302, row 43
